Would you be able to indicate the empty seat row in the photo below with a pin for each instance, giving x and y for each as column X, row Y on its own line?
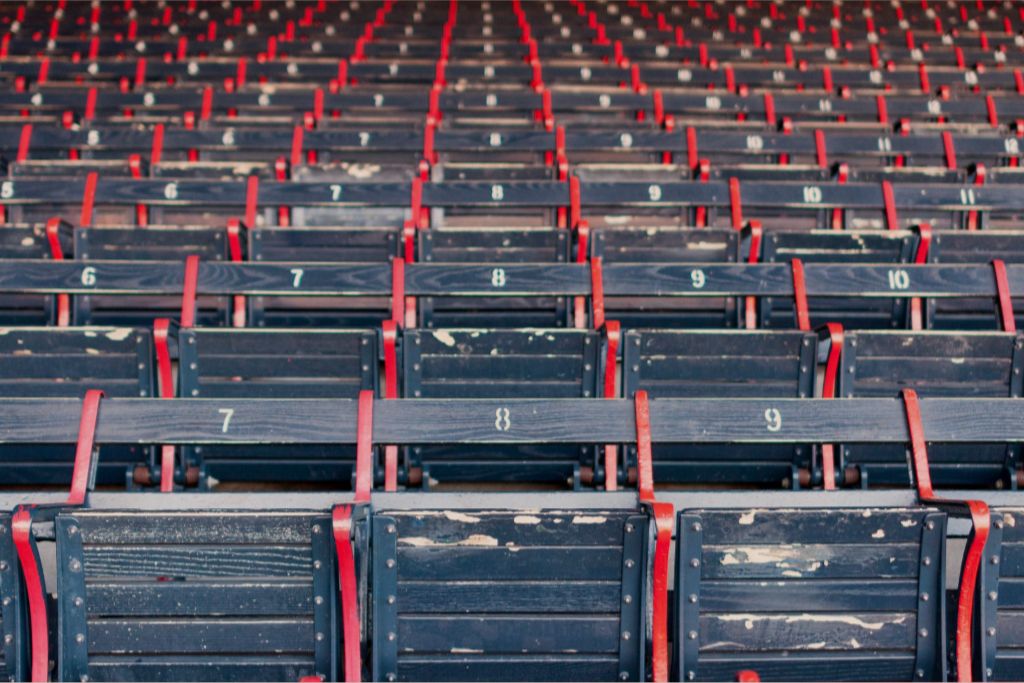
column 516, row 363
column 513, row 585
column 689, row 291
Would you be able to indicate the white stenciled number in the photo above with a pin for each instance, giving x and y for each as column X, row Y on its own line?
column 228, row 139
column 171, row 191
column 297, row 274
column 698, row 279
column 773, row 419
column 92, row 138
column 502, row 419
column 812, row 194
column 899, row 279
column 498, row 277
column 654, row 192
column 88, row 276
column 967, row 197
column 6, row 189
column 335, row 193
column 626, row 140
column 497, row 192
column 364, row 139
column 755, row 143
column 228, row 413
column 495, row 140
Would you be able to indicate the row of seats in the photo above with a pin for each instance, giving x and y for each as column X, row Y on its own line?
column 513, row 585
column 536, row 363
column 652, row 199
column 472, row 278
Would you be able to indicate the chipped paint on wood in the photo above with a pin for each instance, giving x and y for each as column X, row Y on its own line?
column 120, row 334
column 584, row 519
column 526, row 519
column 474, row 540
column 460, row 517
column 444, row 337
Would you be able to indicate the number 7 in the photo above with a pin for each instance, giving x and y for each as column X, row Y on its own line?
column 227, row 413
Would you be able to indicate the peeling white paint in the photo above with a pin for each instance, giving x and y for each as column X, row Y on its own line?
column 806, row 618
column 1009, row 520
column 748, row 518
column 363, row 170
column 879, row 534
column 466, row 651
column 444, row 337
column 460, row 517
column 475, row 540
column 120, row 334
column 583, row 519
column 526, row 519
column 907, row 523
column 27, row 241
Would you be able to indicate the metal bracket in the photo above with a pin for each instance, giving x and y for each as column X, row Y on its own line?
column 73, row 633
column 631, row 618
column 325, row 602
column 385, row 599
column 931, row 590
column 688, row 569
